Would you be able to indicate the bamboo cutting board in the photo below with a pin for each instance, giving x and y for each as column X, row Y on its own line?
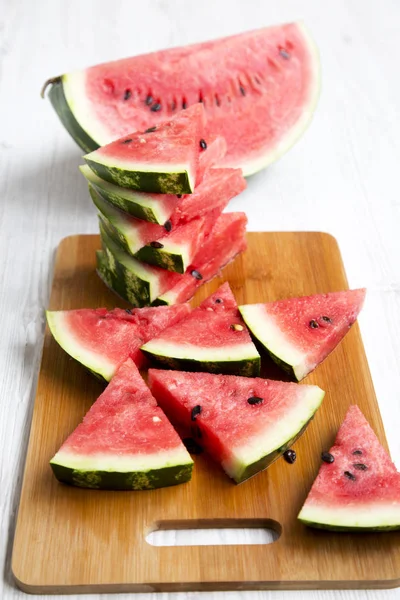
column 74, row 540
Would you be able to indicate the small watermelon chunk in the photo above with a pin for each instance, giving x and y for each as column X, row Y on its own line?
column 227, row 240
column 243, row 423
column 162, row 159
column 213, row 338
column 137, row 283
column 299, row 333
column 360, row 489
column 103, row 339
column 125, row 441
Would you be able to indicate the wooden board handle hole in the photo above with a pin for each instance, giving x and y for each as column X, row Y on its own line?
column 215, row 532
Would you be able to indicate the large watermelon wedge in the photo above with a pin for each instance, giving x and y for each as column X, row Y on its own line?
column 228, row 239
column 162, row 159
column 299, row 333
column 211, row 338
column 103, row 339
column 125, row 441
column 243, row 423
column 360, row 489
column 259, row 90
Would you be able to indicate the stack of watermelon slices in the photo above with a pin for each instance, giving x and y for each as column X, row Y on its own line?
column 160, row 206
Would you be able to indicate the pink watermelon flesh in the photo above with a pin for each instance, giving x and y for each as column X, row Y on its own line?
column 172, row 148
column 259, row 90
column 361, row 488
column 244, row 437
column 218, row 187
column 299, row 333
column 212, row 338
column 103, row 339
column 125, row 441
column 227, row 240
column 212, row 154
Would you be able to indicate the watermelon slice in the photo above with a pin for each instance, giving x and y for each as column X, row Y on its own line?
column 227, row 240
column 162, row 159
column 137, row 283
column 259, row 90
column 102, row 339
column 299, row 333
column 211, row 338
column 125, row 441
column 360, row 489
column 243, row 423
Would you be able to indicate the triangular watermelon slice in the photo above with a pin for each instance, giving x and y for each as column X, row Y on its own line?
column 360, row 489
column 227, row 240
column 243, row 423
column 299, row 333
column 211, row 338
column 125, row 441
column 162, row 159
column 158, row 208
column 102, row 339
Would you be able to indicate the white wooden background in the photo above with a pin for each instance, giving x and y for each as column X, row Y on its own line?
column 343, row 177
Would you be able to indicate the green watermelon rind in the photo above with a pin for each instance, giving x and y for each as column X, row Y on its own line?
column 134, row 203
column 125, row 275
column 96, row 364
column 125, row 480
column 375, row 519
column 162, row 182
column 246, row 366
column 170, row 257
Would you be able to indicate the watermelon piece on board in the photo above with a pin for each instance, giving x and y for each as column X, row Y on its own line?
column 125, row 441
column 138, row 283
column 259, row 89
column 243, row 423
column 299, row 333
column 161, row 159
column 102, row 339
column 227, row 240
column 360, row 489
column 213, row 338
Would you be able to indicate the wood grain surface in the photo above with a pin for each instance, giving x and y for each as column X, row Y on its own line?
column 73, row 540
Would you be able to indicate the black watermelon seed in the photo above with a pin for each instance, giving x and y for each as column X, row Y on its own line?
column 360, row 466
column 313, row 324
column 150, row 129
column 218, row 300
column 128, row 310
column 168, row 225
column 254, row 400
column 327, row 319
column 127, row 141
column 357, row 452
column 349, row 475
column 156, row 107
column 127, row 94
column 192, row 446
column 242, row 90
column 196, row 274
column 179, row 195
column 149, row 100
column 156, row 245
column 184, row 104
column 327, row 457
column 196, row 410
column 284, row 53
column 203, row 144
column 290, row 456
